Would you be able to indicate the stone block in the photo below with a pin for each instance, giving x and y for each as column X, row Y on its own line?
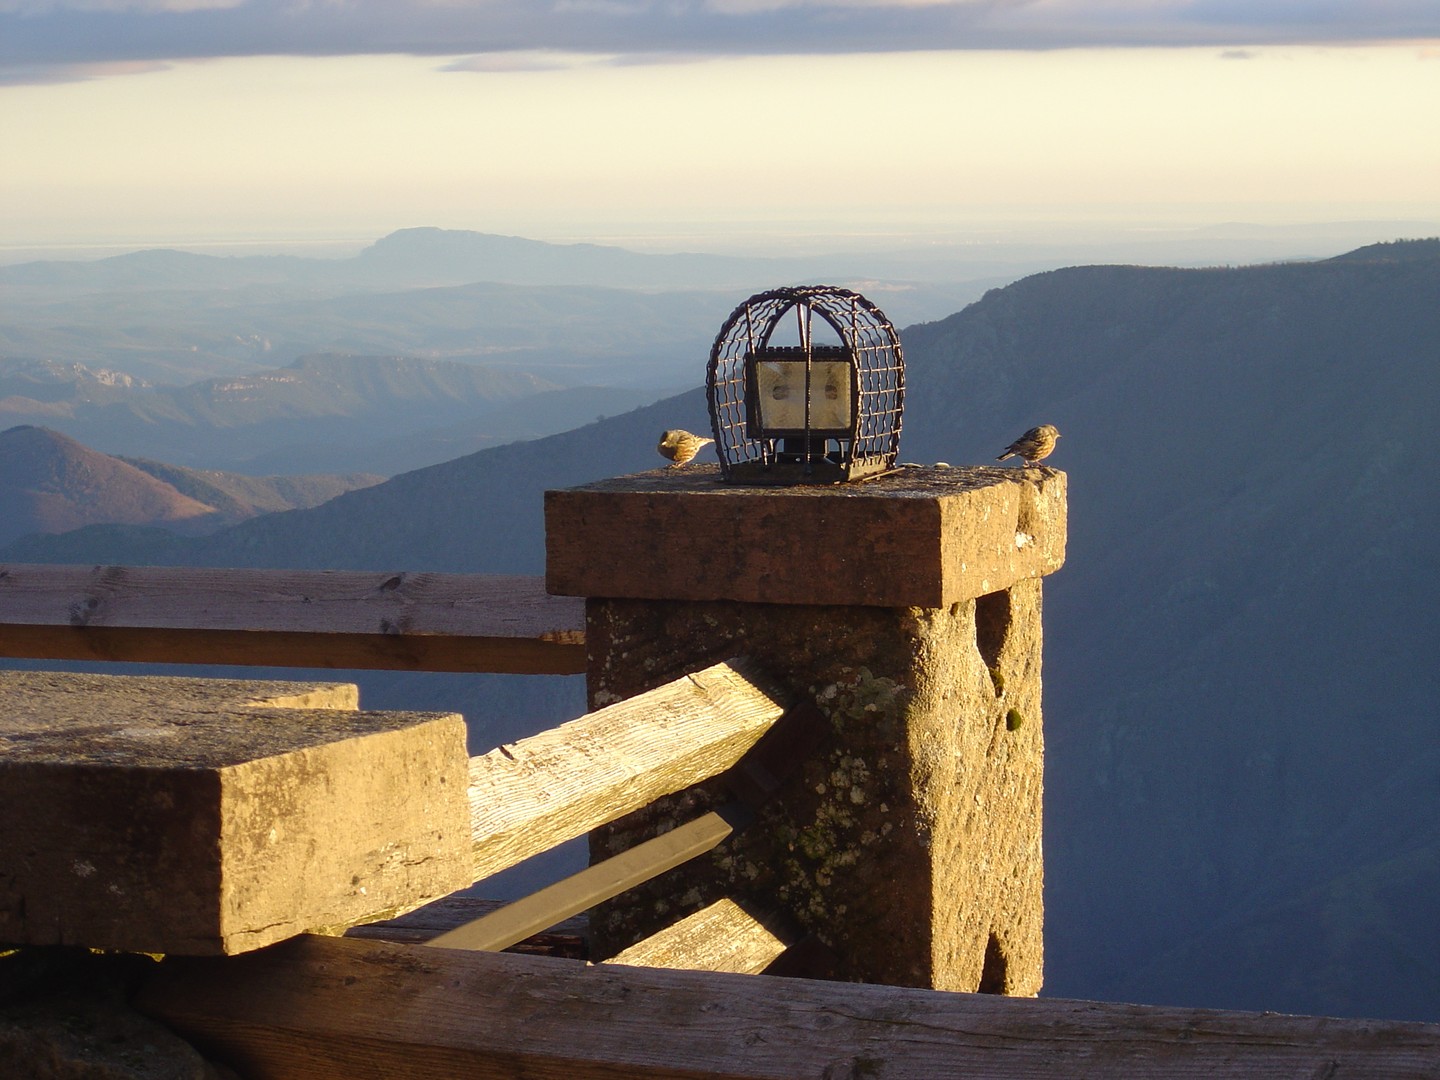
column 916, row 537
column 911, row 845
column 204, row 816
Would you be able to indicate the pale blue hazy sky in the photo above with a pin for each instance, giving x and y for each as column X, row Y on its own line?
column 169, row 120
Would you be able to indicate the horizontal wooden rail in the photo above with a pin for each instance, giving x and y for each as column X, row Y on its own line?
column 290, row 618
column 528, row 796
column 346, row 1008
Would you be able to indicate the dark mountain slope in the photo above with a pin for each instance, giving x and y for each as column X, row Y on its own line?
column 1244, row 740
column 1394, row 251
column 481, row 512
column 1242, row 696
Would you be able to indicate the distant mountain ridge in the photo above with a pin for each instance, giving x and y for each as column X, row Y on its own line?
column 458, row 255
column 426, row 257
column 1394, row 251
column 581, row 314
column 573, row 334
column 50, row 483
column 284, row 419
column 173, row 316
column 420, row 257
column 1243, row 767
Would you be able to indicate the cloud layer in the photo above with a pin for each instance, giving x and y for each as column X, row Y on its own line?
column 42, row 40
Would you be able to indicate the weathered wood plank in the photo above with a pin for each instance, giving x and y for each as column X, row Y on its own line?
column 529, row 796
column 294, row 618
column 337, row 1007
column 595, row 884
column 421, row 925
column 720, row 937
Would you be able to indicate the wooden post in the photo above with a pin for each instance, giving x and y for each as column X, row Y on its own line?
column 908, row 608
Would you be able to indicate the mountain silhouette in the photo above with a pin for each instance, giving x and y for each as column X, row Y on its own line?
column 49, row 483
column 1243, row 768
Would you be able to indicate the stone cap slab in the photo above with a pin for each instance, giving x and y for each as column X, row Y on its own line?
column 917, row 537
column 206, row 816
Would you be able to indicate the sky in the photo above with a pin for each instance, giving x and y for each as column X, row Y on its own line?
column 149, row 121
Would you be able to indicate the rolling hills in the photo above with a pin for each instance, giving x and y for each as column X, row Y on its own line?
column 340, row 413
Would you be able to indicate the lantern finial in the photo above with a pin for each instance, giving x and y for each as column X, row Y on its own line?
column 815, row 411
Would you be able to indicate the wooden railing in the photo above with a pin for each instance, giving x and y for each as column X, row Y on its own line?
column 363, row 1006
column 285, row 618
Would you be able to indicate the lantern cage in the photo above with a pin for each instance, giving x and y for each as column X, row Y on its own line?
column 810, row 413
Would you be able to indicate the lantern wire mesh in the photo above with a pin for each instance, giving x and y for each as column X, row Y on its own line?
column 868, row 342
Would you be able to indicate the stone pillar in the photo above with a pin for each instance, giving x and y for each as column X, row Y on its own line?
column 908, row 609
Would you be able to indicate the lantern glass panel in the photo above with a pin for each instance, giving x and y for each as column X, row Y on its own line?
column 780, row 396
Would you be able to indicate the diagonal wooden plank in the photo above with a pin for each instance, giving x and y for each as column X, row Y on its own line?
column 595, row 884
column 528, row 796
column 323, row 1008
column 294, row 618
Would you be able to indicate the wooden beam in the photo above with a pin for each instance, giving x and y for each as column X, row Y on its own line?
column 426, row 923
column 341, row 1008
column 595, row 884
column 290, row 618
column 720, row 937
column 526, row 797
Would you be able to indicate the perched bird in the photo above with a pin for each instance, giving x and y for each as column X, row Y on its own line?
column 680, row 446
column 1035, row 444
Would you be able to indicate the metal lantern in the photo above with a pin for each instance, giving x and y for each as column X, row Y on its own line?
column 813, row 412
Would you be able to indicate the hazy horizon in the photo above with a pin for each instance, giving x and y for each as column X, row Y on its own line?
column 712, row 125
column 1309, row 238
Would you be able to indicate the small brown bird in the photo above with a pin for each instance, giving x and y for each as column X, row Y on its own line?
column 680, row 446
column 1035, row 444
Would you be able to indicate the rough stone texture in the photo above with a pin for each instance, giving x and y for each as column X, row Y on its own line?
column 205, row 816
column 64, row 1016
column 918, row 537
column 87, row 1039
column 908, row 608
column 911, row 843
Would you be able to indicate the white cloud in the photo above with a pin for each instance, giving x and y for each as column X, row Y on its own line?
column 524, row 60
